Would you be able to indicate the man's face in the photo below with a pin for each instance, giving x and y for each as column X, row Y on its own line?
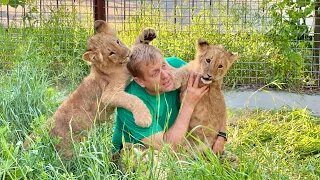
column 157, row 77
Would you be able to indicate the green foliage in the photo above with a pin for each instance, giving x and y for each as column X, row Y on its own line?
column 286, row 142
column 14, row 3
column 276, row 55
column 58, row 43
column 265, row 57
column 25, row 94
column 290, row 32
column 289, row 18
column 269, row 144
column 295, row 131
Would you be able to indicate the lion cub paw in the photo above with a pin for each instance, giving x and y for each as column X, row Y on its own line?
column 143, row 117
column 148, row 35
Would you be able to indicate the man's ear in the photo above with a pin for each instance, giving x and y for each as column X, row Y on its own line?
column 139, row 81
column 92, row 56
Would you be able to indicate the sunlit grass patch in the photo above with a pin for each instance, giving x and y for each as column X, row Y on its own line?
column 278, row 142
column 269, row 144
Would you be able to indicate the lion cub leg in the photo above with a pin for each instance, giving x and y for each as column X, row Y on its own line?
column 146, row 36
column 132, row 103
column 180, row 76
column 64, row 146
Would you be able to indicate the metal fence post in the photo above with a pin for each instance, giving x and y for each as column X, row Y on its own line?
column 316, row 45
column 99, row 10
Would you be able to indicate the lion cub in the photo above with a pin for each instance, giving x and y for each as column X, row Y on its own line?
column 212, row 62
column 101, row 90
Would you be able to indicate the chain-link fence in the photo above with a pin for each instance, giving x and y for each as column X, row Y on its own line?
column 278, row 41
column 48, row 33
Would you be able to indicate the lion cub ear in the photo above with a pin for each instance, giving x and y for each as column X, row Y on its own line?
column 220, row 46
column 92, row 56
column 101, row 26
column 234, row 56
column 202, row 44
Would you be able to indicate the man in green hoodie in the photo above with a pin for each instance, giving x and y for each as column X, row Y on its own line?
column 152, row 83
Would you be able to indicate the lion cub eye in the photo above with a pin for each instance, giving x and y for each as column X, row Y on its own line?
column 111, row 53
column 220, row 66
column 208, row 60
column 118, row 42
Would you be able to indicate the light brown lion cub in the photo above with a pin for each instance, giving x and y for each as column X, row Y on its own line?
column 101, row 89
column 212, row 62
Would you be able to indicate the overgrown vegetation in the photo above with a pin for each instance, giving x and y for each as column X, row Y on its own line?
column 269, row 144
column 274, row 43
column 55, row 47
column 41, row 64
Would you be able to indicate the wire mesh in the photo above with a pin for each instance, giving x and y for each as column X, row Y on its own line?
column 242, row 21
column 53, row 29
column 272, row 50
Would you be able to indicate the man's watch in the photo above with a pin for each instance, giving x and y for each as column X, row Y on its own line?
column 223, row 134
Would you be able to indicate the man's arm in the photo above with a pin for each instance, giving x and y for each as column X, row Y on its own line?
column 176, row 133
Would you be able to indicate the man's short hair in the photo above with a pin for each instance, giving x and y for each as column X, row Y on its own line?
column 142, row 54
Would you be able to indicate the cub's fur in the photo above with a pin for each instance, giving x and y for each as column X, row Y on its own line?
column 102, row 88
column 212, row 62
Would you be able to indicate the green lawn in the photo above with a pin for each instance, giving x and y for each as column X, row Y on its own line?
column 279, row 144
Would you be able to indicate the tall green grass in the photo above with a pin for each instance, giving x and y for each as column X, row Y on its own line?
column 58, row 43
column 269, row 144
column 280, row 144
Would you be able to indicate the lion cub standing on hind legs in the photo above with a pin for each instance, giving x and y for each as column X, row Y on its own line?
column 102, row 88
column 212, row 63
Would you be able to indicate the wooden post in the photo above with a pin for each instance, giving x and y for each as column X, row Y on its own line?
column 316, row 44
column 99, row 10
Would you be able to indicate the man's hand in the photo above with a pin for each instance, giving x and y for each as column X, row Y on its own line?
column 175, row 135
column 194, row 93
column 218, row 146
